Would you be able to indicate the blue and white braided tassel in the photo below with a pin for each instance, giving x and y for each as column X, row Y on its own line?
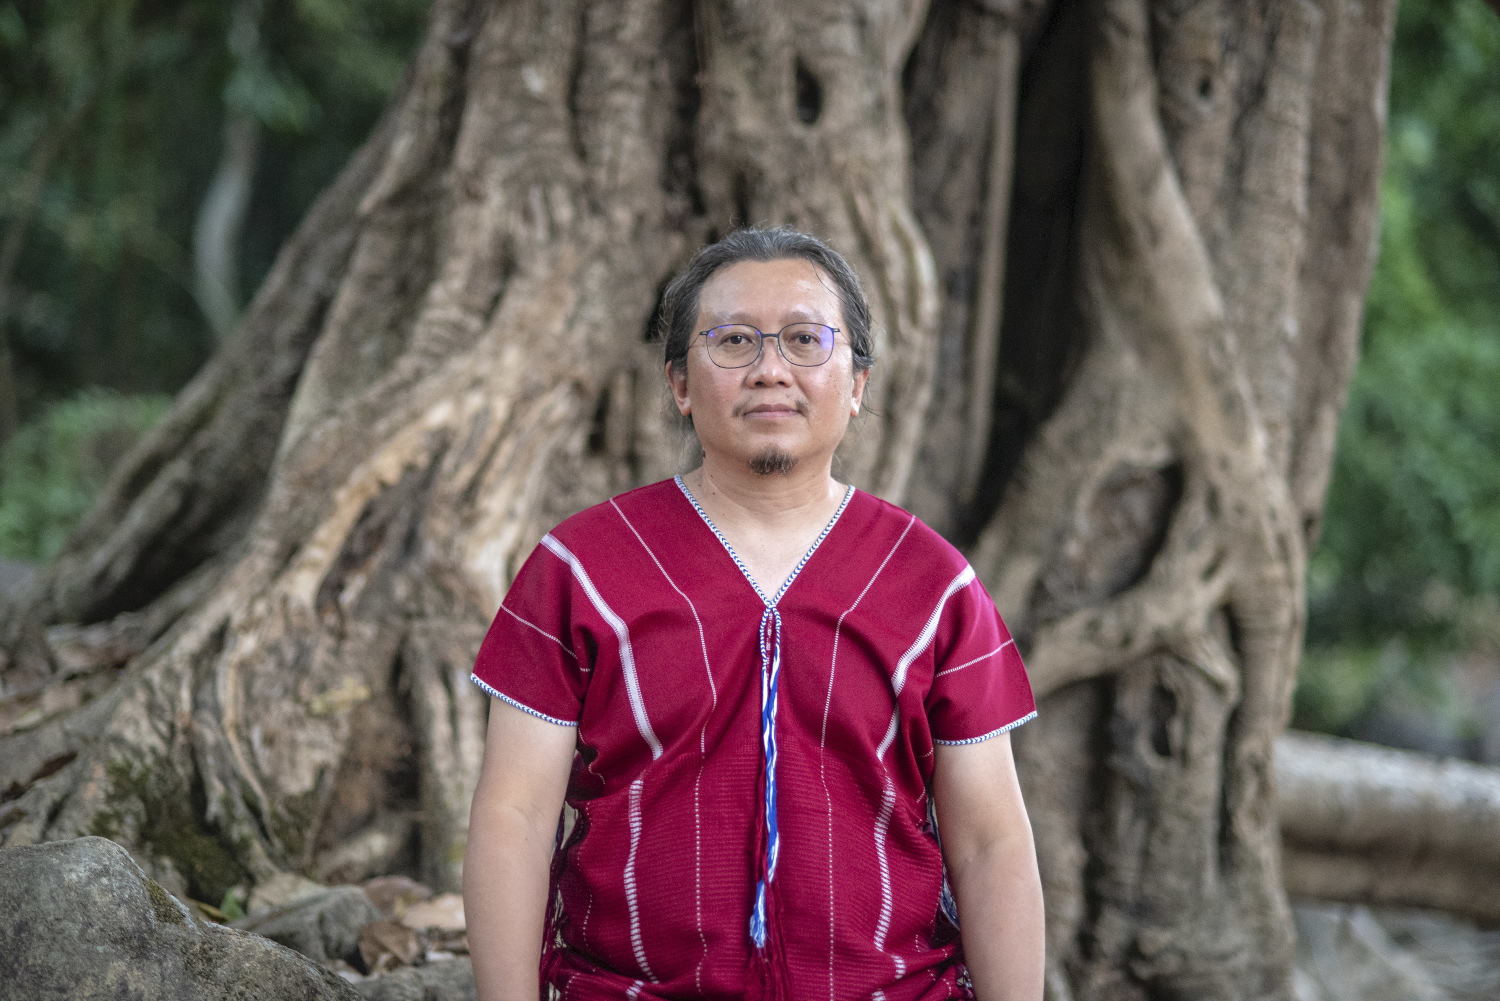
column 770, row 677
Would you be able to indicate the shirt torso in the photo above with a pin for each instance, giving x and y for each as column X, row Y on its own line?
column 633, row 621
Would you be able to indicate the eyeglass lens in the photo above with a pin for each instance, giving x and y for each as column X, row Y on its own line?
column 736, row 345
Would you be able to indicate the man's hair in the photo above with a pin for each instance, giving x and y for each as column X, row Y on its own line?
column 679, row 303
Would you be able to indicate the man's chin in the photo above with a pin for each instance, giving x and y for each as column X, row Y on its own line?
column 772, row 462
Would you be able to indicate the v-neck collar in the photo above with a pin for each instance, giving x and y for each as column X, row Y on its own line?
column 750, row 579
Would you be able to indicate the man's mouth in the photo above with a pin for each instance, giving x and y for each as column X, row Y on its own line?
column 773, row 410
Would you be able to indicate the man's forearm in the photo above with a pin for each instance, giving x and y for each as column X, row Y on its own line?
column 1001, row 920
column 505, row 897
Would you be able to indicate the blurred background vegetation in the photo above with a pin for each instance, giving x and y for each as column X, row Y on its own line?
column 153, row 156
column 1403, row 641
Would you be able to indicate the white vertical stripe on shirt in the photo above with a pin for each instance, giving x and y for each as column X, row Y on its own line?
column 713, row 696
column 631, row 903
column 882, row 827
column 627, row 656
column 823, row 745
column 888, row 799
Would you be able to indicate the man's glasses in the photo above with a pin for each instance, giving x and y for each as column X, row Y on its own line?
column 737, row 345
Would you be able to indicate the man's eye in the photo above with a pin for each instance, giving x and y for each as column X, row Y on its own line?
column 734, row 340
column 804, row 339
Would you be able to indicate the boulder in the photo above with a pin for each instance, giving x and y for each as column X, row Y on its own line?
column 1350, row 952
column 280, row 890
column 323, row 927
column 80, row 920
column 447, row 980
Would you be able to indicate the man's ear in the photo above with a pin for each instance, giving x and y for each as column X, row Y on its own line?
column 677, row 383
column 857, row 396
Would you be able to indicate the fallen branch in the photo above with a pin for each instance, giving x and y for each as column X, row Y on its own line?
column 1369, row 824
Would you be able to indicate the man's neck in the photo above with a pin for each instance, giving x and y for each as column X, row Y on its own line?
column 737, row 495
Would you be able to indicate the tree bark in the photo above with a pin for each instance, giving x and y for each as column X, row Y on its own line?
column 1116, row 251
column 1368, row 824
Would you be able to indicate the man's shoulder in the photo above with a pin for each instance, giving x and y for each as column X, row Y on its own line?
column 920, row 542
column 599, row 523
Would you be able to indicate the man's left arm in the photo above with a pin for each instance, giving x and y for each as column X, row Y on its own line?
column 992, row 868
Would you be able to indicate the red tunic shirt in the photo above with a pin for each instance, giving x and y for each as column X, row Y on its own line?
column 753, row 771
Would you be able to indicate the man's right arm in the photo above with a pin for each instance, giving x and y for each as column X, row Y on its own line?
column 512, row 832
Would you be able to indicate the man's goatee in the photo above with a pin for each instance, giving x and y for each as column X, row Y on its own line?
column 772, row 462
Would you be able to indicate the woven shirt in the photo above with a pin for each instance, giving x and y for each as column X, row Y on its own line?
column 752, row 775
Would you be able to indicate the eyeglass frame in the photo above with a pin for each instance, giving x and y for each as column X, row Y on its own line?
column 760, row 345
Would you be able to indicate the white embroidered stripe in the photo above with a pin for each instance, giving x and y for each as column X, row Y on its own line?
column 993, row 733
column 883, row 821
column 923, row 640
column 971, row 663
column 713, row 703
column 823, row 745
column 490, row 690
column 631, row 903
column 882, row 824
column 839, row 627
column 533, row 625
column 713, row 691
column 627, row 656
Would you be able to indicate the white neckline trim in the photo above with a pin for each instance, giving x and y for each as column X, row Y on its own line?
column 796, row 570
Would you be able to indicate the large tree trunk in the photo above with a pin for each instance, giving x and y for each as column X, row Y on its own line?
column 1116, row 249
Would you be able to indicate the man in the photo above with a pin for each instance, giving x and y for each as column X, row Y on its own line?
column 764, row 692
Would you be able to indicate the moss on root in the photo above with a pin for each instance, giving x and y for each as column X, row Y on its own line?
column 169, row 828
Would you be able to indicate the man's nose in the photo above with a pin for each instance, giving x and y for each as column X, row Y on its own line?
column 771, row 367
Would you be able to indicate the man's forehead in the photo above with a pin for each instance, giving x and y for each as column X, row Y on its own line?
column 797, row 289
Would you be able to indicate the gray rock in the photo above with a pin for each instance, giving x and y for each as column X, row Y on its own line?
column 448, row 980
column 1345, row 954
column 323, row 927
column 79, row 920
column 1350, row 952
column 14, row 576
column 280, row 890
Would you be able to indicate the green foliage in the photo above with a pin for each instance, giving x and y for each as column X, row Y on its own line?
column 1414, row 510
column 55, row 466
column 1340, row 684
column 1440, row 253
column 113, row 128
column 233, row 904
column 1408, row 568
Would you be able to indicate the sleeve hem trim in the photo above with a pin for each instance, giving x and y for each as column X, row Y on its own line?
column 491, row 690
column 993, row 733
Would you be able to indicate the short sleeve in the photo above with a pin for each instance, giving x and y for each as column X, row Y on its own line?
column 979, row 685
column 528, row 657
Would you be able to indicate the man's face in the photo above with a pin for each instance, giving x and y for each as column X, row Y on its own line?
column 771, row 410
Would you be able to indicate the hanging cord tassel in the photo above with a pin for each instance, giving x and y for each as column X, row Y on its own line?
column 551, row 948
column 945, row 899
column 770, row 677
